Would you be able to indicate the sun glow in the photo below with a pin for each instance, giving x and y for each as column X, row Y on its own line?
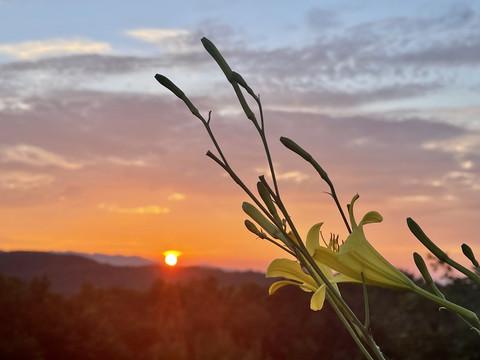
column 171, row 257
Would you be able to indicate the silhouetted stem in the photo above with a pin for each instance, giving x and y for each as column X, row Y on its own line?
column 290, row 144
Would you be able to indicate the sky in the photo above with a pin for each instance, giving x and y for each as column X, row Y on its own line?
column 96, row 157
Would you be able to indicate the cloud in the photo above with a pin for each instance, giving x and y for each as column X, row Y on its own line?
column 463, row 145
column 20, row 180
column 408, row 54
column 459, row 179
column 36, row 49
column 126, row 162
column 413, row 199
column 176, row 197
column 174, row 39
column 293, row 175
column 465, row 149
column 152, row 209
column 350, row 67
column 36, row 156
column 296, row 176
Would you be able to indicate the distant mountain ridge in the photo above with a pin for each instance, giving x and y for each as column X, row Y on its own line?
column 115, row 260
column 68, row 272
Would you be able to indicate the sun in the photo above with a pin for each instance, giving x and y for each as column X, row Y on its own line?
column 171, row 257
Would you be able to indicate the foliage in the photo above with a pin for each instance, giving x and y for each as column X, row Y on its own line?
column 203, row 320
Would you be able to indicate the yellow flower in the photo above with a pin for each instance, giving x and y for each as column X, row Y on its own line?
column 293, row 271
column 357, row 256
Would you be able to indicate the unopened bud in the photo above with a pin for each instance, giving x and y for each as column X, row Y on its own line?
column 265, row 195
column 420, row 235
column 467, row 251
column 292, row 145
column 252, row 228
column 166, row 82
column 213, row 51
column 422, row 267
column 264, row 223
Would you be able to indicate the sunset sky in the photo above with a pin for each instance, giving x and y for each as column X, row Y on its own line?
column 96, row 157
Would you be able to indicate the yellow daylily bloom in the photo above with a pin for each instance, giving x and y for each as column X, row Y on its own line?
column 293, row 271
column 356, row 256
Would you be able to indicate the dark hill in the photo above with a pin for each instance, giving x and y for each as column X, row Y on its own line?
column 67, row 273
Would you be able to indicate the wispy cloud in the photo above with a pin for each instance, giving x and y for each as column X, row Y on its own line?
column 176, row 197
column 126, row 162
column 459, row 180
column 176, row 40
column 36, row 49
column 36, row 156
column 462, row 145
column 20, row 180
column 293, row 175
column 152, row 209
column 296, row 176
column 390, row 60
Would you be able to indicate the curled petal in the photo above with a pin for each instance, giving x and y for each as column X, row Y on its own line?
column 371, row 217
column 291, row 270
column 318, row 298
column 313, row 238
column 281, row 283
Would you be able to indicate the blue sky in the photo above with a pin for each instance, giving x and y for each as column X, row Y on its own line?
column 385, row 94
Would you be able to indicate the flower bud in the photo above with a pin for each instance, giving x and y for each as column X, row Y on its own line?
column 265, row 195
column 420, row 235
column 252, row 228
column 264, row 223
column 422, row 267
column 290, row 144
column 213, row 51
column 467, row 251
column 163, row 80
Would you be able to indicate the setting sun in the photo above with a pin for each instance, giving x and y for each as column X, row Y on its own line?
column 171, row 257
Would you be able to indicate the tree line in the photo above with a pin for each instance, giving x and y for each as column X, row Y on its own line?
column 203, row 320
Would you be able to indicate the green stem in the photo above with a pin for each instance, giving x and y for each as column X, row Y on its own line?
column 290, row 144
column 466, row 314
column 365, row 300
column 349, row 328
column 340, row 307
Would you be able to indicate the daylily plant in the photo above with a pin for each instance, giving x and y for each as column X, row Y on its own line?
column 356, row 260
column 293, row 271
column 356, row 256
column 319, row 267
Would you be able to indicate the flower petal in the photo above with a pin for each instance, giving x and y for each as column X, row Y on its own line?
column 330, row 259
column 281, row 283
column 363, row 257
column 313, row 238
column 371, row 217
column 291, row 270
column 318, row 298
